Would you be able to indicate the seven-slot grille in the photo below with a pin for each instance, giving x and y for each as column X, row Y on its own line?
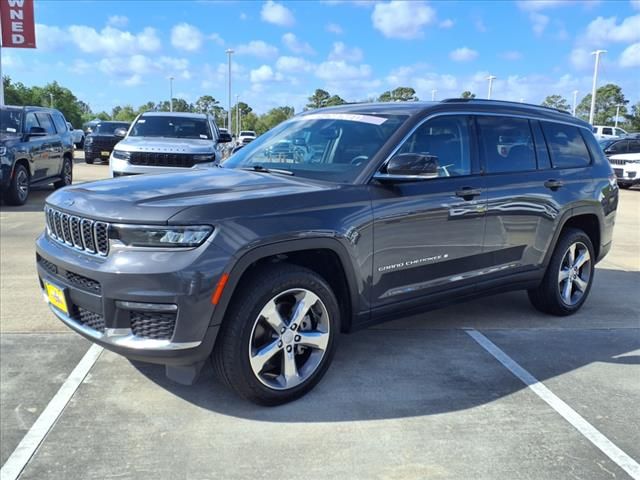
column 615, row 161
column 82, row 233
column 150, row 159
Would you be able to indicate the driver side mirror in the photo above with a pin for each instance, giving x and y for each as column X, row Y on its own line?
column 37, row 132
column 409, row 167
column 224, row 137
column 120, row 132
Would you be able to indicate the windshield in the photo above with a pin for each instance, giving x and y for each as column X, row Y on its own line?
column 172, row 127
column 109, row 128
column 328, row 146
column 247, row 133
column 10, row 120
column 605, row 143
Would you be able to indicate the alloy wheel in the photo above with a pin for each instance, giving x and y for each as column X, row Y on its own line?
column 575, row 273
column 22, row 182
column 289, row 339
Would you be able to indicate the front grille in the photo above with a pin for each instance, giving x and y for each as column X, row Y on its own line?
column 89, row 319
column 616, row 161
column 631, row 174
column 156, row 159
column 155, row 325
column 619, row 172
column 82, row 233
column 47, row 265
column 83, row 282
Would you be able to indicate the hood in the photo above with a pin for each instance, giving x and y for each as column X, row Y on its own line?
column 167, row 145
column 156, row 198
column 7, row 138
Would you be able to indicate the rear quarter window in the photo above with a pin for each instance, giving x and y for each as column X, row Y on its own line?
column 61, row 124
column 566, row 145
column 46, row 123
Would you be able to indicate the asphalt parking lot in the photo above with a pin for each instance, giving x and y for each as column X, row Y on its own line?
column 416, row 398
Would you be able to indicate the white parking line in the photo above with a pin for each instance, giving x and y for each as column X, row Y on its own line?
column 607, row 447
column 39, row 430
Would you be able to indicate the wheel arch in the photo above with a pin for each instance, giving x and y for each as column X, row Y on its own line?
column 585, row 218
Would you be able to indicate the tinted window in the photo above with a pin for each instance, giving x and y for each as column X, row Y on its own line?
column 506, row 144
column 109, row 128
column 61, row 125
column 46, row 123
column 634, row 146
column 30, row 121
column 607, row 131
column 566, row 145
column 620, row 132
column 618, row 147
column 447, row 139
column 171, row 127
column 10, row 120
column 544, row 162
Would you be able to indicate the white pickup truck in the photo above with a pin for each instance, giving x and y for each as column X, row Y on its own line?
column 77, row 134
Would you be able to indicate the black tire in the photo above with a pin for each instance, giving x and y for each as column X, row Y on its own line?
column 66, row 174
column 233, row 347
column 624, row 185
column 547, row 297
column 18, row 190
column 87, row 159
column 81, row 144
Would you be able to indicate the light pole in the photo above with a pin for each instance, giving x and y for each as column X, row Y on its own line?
column 229, row 52
column 171, row 94
column 51, row 99
column 491, row 78
column 575, row 101
column 433, row 95
column 618, row 113
column 592, row 111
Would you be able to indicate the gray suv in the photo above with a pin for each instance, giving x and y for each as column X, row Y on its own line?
column 160, row 142
column 334, row 220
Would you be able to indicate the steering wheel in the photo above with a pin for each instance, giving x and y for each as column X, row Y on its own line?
column 359, row 159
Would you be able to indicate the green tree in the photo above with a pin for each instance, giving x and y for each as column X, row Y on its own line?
column 272, row 118
column 179, row 105
column 147, row 107
column 322, row 98
column 63, row 100
column 400, row 94
column 607, row 97
column 467, row 94
column 115, row 111
column 633, row 119
column 334, row 100
column 126, row 114
column 556, row 101
column 207, row 104
column 101, row 116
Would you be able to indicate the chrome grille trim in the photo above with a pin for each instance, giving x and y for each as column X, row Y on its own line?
column 81, row 233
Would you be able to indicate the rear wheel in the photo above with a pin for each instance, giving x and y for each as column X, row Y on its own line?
column 277, row 341
column 66, row 174
column 19, row 188
column 569, row 276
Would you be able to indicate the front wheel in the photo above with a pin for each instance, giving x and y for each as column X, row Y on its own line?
column 66, row 174
column 18, row 190
column 278, row 339
column 569, row 276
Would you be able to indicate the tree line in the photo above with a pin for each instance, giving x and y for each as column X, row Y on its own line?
column 608, row 97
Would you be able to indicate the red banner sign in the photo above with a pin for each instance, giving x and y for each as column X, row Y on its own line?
column 18, row 26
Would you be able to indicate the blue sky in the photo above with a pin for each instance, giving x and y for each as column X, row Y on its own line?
column 112, row 53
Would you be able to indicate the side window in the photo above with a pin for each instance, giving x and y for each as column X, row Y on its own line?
column 620, row 132
column 566, row 146
column 634, row 146
column 447, row 139
column 506, row 144
column 46, row 123
column 618, row 147
column 607, row 131
column 544, row 162
column 30, row 121
column 61, row 125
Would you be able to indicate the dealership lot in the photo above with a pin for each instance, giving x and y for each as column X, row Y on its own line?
column 414, row 398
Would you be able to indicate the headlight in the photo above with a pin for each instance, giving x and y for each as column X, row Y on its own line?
column 160, row 237
column 88, row 140
column 121, row 155
column 3, row 150
column 204, row 158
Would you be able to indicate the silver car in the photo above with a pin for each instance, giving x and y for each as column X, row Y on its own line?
column 167, row 141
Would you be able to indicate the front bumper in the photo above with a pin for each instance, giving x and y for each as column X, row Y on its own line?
column 627, row 174
column 147, row 306
column 93, row 153
column 118, row 167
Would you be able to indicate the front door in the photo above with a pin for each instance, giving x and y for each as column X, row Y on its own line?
column 52, row 146
column 428, row 234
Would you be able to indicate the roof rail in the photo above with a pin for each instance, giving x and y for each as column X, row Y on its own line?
column 504, row 102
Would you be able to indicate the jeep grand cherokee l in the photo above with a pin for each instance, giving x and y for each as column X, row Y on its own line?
column 36, row 148
column 383, row 210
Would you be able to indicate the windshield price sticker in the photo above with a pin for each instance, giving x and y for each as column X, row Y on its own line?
column 371, row 119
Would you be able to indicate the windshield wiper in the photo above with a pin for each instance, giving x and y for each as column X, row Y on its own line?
column 260, row 168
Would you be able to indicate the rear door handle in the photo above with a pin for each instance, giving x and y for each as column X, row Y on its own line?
column 553, row 184
column 468, row 193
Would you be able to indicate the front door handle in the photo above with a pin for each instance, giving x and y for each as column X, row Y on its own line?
column 553, row 184
column 468, row 193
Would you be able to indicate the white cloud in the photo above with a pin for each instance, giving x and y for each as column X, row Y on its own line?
column 463, row 54
column 257, row 48
column 186, row 37
column 402, row 19
column 133, row 81
column 339, row 70
column 480, row 25
column 243, row 16
column 276, row 13
column 341, row 52
column 538, row 22
column 132, row 70
column 635, row 4
column 630, row 57
column 447, row 23
column 216, row 38
column 49, row 38
column 264, row 74
column 296, row 45
column 80, row 67
column 537, row 5
column 293, row 65
column 337, row 29
column 581, row 58
column 112, row 41
column 118, row 21
column 511, row 55
column 603, row 30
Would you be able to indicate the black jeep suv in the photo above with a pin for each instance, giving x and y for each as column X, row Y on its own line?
column 377, row 211
column 36, row 148
column 100, row 142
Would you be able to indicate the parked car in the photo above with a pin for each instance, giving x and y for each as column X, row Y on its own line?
column 624, row 156
column 77, row 135
column 602, row 131
column 394, row 208
column 36, row 148
column 99, row 143
column 246, row 136
column 163, row 142
column 90, row 125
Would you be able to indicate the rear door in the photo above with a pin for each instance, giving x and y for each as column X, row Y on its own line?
column 52, row 146
column 38, row 161
column 428, row 234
